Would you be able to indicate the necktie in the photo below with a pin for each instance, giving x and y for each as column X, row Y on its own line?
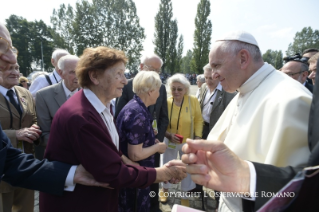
column 13, row 101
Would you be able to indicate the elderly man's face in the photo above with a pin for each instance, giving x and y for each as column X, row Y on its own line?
column 211, row 79
column 292, row 69
column 199, row 83
column 68, row 75
column 10, row 76
column 7, row 57
column 152, row 64
column 226, row 69
column 313, row 71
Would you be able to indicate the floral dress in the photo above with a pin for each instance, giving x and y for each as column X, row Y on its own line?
column 134, row 124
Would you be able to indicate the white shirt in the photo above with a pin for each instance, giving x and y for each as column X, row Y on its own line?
column 41, row 82
column 67, row 92
column 105, row 114
column 208, row 102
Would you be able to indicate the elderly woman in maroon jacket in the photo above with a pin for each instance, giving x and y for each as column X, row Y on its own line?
column 83, row 132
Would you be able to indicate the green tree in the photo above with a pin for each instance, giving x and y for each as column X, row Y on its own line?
column 62, row 21
column 163, row 24
column 171, row 55
column 202, row 37
column 274, row 58
column 186, row 62
column 27, row 37
column 180, row 48
column 306, row 38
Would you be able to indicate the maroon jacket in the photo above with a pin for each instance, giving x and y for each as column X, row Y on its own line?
column 79, row 136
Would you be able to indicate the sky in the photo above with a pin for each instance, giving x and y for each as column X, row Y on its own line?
column 273, row 23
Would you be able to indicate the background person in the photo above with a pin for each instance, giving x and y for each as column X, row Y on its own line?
column 185, row 119
column 24, row 82
column 137, row 137
column 19, row 122
column 83, row 132
column 313, row 67
column 200, row 80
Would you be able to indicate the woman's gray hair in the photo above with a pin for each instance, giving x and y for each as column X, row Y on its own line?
column 233, row 47
column 146, row 81
column 177, row 78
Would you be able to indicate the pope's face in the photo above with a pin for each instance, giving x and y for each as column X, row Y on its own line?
column 226, row 68
column 7, row 57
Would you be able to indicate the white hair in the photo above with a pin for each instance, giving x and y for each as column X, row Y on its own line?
column 201, row 77
column 178, row 78
column 149, row 56
column 146, row 81
column 207, row 67
column 57, row 53
column 233, row 47
column 67, row 58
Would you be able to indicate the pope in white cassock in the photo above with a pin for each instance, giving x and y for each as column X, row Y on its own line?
column 267, row 120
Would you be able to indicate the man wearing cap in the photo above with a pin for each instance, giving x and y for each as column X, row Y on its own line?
column 267, row 120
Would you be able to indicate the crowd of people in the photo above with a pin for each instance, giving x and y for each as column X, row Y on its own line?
column 106, row 142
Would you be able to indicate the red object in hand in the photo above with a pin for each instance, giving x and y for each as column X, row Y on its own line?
column 180, row 137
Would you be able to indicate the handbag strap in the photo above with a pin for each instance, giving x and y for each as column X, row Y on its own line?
column 190, row 113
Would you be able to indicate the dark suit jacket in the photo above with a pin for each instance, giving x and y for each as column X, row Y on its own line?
column 79, row 136
column 221, row 101
column 48, row 101
column 24, row 171
column 309, row 86
column 271, row 178
column 161, row 107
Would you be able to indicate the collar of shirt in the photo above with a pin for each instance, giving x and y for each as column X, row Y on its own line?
column 256, row 79
column 304, row 83
column 67, row 91
column 95, row 101
column 4, row 91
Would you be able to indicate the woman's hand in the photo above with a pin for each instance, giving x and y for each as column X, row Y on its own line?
column 161, row 147
column 155, row 131
column 174, row 139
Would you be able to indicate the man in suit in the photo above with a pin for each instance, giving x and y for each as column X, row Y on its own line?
column 50, row 99
column 313, row 67
column 213, row 100
column 159, row 110
column 54, row 77
column 215, row 166
column 298, row 71
column 23, row 170
column 19, row 121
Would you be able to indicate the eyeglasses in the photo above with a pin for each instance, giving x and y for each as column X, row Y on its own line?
column 178, row 89
column 5, row 46
column 291, row 74
column 150, row 68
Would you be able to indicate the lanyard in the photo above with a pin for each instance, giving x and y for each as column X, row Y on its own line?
column 55, row 78
column 209, row 97
column 170, row 119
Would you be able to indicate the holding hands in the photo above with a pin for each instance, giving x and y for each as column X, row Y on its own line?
column 213, row 165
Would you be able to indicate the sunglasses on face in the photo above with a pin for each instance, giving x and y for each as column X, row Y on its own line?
column 178, row 89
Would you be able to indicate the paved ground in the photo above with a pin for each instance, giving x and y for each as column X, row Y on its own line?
column 195, row 202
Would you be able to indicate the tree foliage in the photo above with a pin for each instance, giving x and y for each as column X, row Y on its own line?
column 163, row 23
column 186, row 62
column 202, row 37
column 180, row 48
column 27, row 37
column 112, row 23
column 274, row 58
column 171, row 55
column 306, row 38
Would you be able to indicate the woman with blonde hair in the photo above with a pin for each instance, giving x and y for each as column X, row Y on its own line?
column 185, row 121
column 24, row 82
column 137, row 136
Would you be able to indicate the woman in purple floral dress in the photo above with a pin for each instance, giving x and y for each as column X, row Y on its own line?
column 137, row 137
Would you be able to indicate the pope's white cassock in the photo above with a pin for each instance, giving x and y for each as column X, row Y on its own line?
column 266, row 122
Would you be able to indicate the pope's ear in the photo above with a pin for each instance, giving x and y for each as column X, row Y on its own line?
column 245, row 58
